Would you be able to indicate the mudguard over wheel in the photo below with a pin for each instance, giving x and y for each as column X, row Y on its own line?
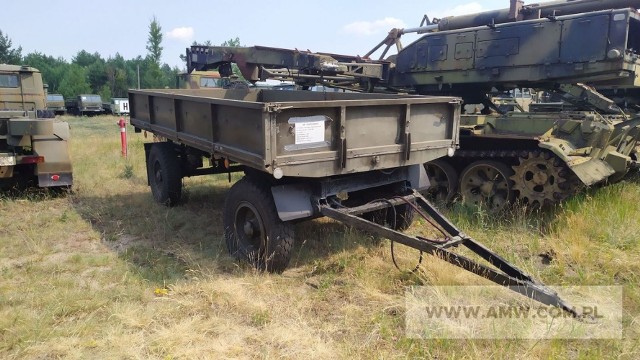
column 164, row 174
column 252, row 228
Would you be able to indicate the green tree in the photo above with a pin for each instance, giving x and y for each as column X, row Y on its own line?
column 116, row 70
column 97, row 75
column 105, row 93
column 232, row 42
column 52, row 69
column 154, row 41
column 8, row 55
column 74, row 82
column 85, row 59
column 152, row 75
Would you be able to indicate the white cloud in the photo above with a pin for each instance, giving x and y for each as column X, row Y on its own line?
column 366, row 28
column 184, row 34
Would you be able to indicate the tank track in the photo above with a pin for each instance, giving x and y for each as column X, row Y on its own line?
column 539, row 179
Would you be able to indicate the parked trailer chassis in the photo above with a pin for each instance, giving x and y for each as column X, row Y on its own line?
column 362, row 168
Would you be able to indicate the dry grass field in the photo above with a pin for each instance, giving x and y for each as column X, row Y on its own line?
column 106, row 273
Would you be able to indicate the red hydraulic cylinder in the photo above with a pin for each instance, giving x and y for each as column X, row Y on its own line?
column 123, row 136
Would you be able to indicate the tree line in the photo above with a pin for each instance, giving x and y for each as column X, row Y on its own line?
column 89, row 73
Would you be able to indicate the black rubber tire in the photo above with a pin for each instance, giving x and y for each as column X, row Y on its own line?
column 164, row 174
column 252, row 229
column 404, row 216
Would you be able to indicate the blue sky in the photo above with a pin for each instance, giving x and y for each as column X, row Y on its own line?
column 63, row 27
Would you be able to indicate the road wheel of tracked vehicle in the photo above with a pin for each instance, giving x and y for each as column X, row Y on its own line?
column 443, row 180
column 164, row 173
column 252, row 228
column 487, row 183
column 538, row 179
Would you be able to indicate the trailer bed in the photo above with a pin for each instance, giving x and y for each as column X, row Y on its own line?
column 302, row 133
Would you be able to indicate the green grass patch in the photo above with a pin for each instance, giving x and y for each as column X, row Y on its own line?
column 104, row 271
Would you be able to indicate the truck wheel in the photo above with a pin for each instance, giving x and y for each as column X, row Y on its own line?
column 252, row 228
column 165, row 177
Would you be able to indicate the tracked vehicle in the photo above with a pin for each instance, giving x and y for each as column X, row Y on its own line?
column 538, row 158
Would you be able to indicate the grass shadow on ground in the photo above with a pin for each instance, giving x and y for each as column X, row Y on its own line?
column 33, row 194
column 165, row 244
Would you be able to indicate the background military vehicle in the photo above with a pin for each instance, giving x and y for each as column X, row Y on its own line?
column 199, row 80
column 85, row 104
column 117, row 106
column 55, row 103
column 33, row 145
column 536, row 158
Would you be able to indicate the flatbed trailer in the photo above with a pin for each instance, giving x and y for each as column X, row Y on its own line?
column 354, row 157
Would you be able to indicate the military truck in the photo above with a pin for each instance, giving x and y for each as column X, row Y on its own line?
column 199, row 80
column 117, row 106
column 85, row 104
column 55, row 103
column 33, row 145
column 537, row 159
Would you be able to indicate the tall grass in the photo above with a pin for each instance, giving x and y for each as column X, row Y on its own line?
column 106, row 273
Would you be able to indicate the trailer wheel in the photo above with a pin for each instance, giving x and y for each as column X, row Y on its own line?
column 164, row 173
column 404, row 215
column 252, row 228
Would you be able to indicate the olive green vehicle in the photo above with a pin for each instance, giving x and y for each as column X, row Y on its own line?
column 33, row 145
column 536, row 158
column 117, row 106
column 356, row 158
column 209, row 80
column 199, row 80
column 55, row 103
column 542, row 157
column 85, row 104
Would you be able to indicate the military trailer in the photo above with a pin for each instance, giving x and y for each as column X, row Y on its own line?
column 537, row 159
column 33, row 145
column 353, row 157
column 85, row 104
column 55, row 103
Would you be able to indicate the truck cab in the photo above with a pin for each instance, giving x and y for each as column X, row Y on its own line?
column 85, row 104
column 117, row 106
column 55, row 103
column 33, row 145
column 199, row 80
